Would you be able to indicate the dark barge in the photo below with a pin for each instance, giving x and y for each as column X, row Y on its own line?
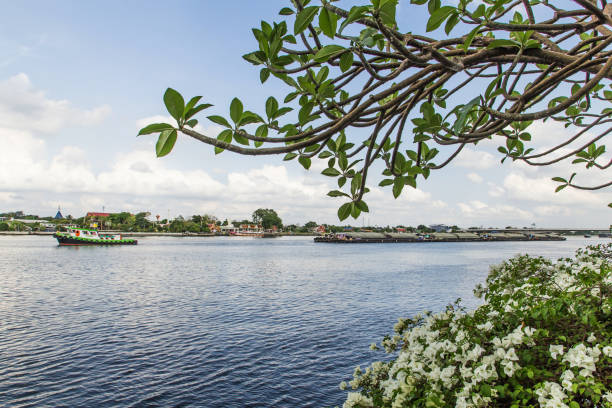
column 395, row 237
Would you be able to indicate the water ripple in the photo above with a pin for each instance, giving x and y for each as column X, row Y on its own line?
column 215, row 322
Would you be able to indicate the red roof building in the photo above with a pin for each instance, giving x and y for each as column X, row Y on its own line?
column 97, row 214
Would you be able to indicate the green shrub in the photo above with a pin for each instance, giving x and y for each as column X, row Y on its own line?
column 543, row 337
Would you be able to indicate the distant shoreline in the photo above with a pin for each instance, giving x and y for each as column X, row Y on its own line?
column 151, row 234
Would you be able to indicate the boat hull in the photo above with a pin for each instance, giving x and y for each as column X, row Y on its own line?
column 65, row 240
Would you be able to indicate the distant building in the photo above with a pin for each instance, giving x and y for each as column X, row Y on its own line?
column 440, row 227
column 97, row 215
column 320, row 229
column 59, row 215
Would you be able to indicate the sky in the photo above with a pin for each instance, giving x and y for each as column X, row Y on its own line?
column 79, row 79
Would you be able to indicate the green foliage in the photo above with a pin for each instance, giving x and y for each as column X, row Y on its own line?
column 542, row 337
column 267, row 218
column 495, row 67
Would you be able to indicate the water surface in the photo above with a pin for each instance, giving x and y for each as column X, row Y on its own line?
column 217, row 322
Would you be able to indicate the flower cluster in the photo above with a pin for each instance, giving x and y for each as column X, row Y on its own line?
column 542, row 337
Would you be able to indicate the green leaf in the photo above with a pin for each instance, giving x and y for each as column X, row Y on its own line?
column 236, row 110
column 219, row 120
column 346, row 61
column 387, row 12
column 241, row 139
column 355, row 211
column 175, row 104
column 154, row 128
column 271, row 106
column 305, row 161
column 336, row 193
column 559, row 188
column 197, row 109
column 451, row 23
column 325, row 155
column 192, row 123
column 559, row 179
column 398, row 186
column 254, row 58
column 304, row 18
column 344, row 211
column 165, row 143
column 385, row 182
column 328, row 22
column 355, row 183
column 281, row 112
column 285, row 11
column 463, row 114
column 249, row 117
column 327, row 52
column 225, row 136
column 331, row 172
column 503, row 43
column 264, row 74
column 470, row 37
column 437, row 17
column 290, row 156
column 192, row 102
column 355, row 14
column 362, row 206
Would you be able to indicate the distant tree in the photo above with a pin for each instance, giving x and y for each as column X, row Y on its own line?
column 141, row 222
column 267, row 218
column 484, row 70
column 4, row 226
column 310, row 225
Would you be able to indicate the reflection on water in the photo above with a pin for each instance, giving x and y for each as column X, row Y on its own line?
column 216, row 322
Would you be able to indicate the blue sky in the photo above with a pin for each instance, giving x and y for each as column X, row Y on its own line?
column 78, row 79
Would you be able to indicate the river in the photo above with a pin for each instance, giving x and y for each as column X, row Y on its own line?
column 217, row 322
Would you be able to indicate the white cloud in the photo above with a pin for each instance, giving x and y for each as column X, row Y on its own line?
column 475, row 159
column 495, row 190
column 542, row 189
column 552, row 210
column 25, row 108
column 474, row 177
column 479, row 210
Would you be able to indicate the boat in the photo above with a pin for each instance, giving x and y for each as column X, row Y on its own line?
column 248, row 230
column 84, row 236
column 396, row 237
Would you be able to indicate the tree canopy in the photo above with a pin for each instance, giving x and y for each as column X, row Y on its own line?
column 267, row 218
column 364, row 92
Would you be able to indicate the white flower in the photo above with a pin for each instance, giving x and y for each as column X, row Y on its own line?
column 555, row 350
column 592, row 338
column 528, row 331
column 511, row 354
column 566, row 379
column 343, row 385
column 509, row 367
column 607, row 350
column 583, row 357
column 485, row 326
column 356, row 400
column 608, row 396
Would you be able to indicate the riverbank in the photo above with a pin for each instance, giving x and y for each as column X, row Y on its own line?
column 152, row 234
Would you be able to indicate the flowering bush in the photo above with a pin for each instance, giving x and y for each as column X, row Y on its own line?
column 543, row 337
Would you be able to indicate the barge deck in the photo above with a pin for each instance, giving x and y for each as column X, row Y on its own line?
column 380, row 237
